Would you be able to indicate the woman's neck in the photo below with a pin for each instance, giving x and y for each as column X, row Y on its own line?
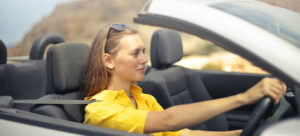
column 119, row 84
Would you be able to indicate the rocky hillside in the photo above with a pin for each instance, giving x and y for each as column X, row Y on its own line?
column 79, row 21
column 293, row 5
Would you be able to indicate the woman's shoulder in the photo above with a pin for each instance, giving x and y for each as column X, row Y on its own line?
column 149, row 98
column 104, row 99
column 103, row 95
column 152, row 102
column 102, row 106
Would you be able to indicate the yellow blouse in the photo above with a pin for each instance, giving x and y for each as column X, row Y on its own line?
column 116, row 111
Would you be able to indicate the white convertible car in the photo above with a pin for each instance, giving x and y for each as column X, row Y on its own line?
column 266, row 35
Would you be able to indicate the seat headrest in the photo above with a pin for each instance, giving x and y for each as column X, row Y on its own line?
column 66, row 64
column 166, row 48
column 3, row 53
column 39, row 46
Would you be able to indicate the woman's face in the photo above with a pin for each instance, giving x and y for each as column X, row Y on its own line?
column 129, row 62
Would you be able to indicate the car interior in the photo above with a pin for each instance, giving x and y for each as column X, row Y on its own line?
column 27, row 80
column 61, row 76
column 65, row 75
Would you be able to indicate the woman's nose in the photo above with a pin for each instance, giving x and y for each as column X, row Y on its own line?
column 144, row 59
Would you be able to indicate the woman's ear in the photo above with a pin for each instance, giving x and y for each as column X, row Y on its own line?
column 108, row 61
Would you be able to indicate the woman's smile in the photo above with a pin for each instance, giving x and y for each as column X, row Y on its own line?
column 142, row 70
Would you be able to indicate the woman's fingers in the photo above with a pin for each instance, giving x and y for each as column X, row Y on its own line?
column 275, row 95
column 271, row 87
column 275, row 89
column 284, row 88
column 283, row 85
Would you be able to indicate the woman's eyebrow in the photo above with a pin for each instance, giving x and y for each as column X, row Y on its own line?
column 138, row 49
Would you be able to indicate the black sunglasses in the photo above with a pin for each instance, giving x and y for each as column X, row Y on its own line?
column 117, row 27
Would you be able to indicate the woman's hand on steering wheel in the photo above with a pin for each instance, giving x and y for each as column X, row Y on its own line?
column 271, row 87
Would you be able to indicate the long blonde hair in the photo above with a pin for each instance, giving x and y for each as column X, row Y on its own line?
column 98, row 75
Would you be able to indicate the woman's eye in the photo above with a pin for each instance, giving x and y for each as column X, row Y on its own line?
column 136, row 53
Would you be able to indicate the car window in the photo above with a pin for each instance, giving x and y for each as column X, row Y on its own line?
column 200, row 54
column 283, row 24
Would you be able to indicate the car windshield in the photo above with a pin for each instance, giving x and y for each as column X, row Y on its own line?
column 282, row 23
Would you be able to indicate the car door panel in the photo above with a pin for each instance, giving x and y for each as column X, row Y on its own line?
column 222, row 84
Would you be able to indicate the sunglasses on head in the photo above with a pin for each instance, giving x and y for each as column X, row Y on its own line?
column 117, row 27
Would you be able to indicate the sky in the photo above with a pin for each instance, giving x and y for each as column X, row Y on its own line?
column 17, row 17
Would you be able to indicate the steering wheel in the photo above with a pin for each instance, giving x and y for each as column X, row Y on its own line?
column 259, row 111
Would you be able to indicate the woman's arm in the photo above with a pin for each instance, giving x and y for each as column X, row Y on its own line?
column 182, row 116
column 188, row 132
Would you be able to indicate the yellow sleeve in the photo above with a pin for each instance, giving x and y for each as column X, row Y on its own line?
column 152, row 103
column 115, row 116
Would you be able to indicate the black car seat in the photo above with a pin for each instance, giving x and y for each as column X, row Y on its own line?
column 172, row 85
column 40, row 44
column 66, row 64
column 27, row 80
column 3, row 53
column 3, row 74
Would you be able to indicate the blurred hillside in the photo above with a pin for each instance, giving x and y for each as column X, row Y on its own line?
column 79, row 21
column 293, row 5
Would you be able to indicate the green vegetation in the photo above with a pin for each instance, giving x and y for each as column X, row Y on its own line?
column 211, row 48
column 212, row 66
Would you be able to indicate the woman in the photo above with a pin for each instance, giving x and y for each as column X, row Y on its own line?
column 117, row 61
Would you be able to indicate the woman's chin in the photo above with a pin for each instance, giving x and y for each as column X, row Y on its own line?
column 140, row 78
